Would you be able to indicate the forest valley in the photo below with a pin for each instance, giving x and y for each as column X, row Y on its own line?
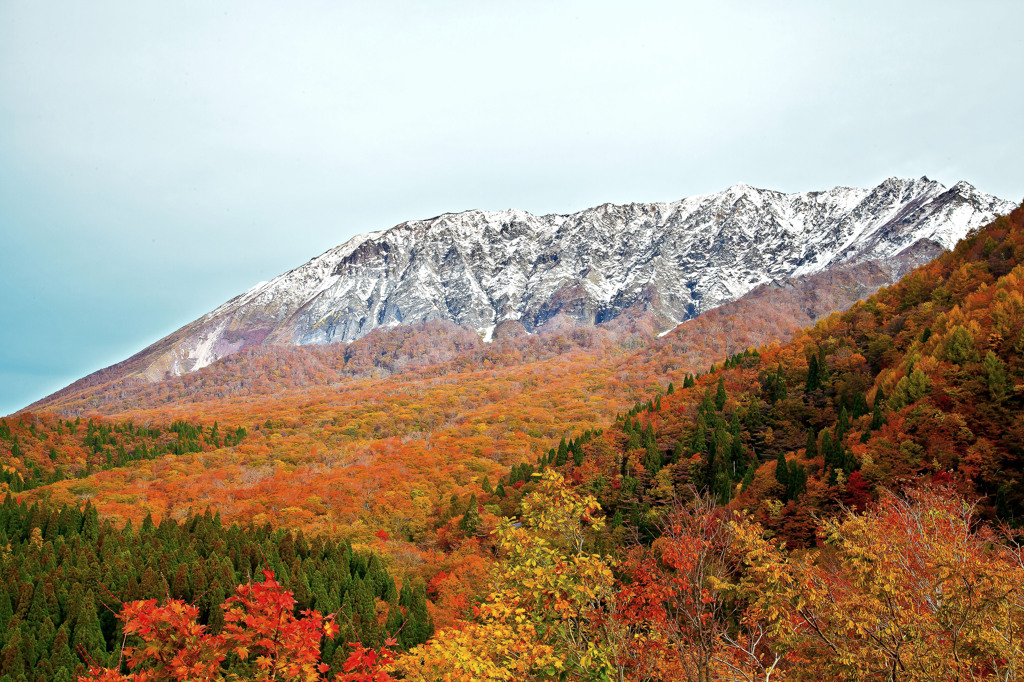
column 842, row 506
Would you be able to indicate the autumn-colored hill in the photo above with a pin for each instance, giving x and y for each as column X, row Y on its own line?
column 393, row 441
column 380, row 433
column 428, row 405
column 922, row 381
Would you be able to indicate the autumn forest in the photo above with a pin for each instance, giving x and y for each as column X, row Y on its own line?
column 802, row 487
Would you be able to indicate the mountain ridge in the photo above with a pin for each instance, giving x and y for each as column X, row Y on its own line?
column 770, row 312
column 482, row 268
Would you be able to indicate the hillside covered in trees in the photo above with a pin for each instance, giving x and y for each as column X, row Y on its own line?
column 607, row 508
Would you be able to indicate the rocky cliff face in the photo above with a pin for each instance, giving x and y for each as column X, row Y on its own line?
column 483, row 269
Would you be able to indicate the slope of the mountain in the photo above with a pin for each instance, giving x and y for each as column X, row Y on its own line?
column 922, row 382
column 396, row 399
column 481, row 269
column 770, row 312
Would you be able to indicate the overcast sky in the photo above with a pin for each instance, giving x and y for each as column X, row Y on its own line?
column 157, row 159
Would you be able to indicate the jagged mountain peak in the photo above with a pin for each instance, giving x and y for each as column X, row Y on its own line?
column 481, row 268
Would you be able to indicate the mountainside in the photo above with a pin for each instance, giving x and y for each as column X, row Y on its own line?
column 479, row 269
column 770, row 312
column 813, row 453
column 922, row 382
column 394, row 443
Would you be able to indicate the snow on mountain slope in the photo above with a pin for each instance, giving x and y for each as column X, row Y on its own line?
column 480, row 268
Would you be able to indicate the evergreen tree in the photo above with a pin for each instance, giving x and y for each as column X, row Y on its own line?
column 860, row 406
column 90, row 523
column 812, row 445
column 748, row 477
column 995, row 376
column 877, row 416
column 779, row 387
column 828, row 450
column 653, row 459
column 60, row 656
column 179, row 586
column 6, row 612
column 699, row 443
column 723, row 488
column 563, row 453
column 88, row 636
column 753, row 417
column 813, row 379
column 782, row 473
column 960, row 347
column 737, row 454
column 39, row 609
column 677, row 451
column 471, row 519
column 797, row 481
column 843, row 425
column 12, row 660
column 419, row 626
column 720, row 394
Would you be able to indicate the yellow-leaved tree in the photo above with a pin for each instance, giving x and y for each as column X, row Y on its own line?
column 545, row 615
column 913, row 590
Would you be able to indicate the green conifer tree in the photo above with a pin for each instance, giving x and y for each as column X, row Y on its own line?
column 60, row 656
column 843, row 424
column 877, row 416
column 797, row 481
column 782, row 474
column 720, row 396
column 471, row 519
column 828, row 450
column 812, row 445
column 748, row 477
column 813, row 379
column 677, row 451
column 753, row 415
column 12, row 660
column 699, row 443
column 779, row 385
column 860, row 406
column 88, row 636
column 6, row 611
column 652, row 460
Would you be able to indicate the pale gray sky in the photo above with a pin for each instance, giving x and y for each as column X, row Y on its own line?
column 158, row 158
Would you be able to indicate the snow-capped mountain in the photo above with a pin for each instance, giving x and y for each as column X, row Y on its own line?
column 482, row 268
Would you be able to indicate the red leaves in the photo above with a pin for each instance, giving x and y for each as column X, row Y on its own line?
column 858, row 492
column 260, row 630
column 366, row 665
